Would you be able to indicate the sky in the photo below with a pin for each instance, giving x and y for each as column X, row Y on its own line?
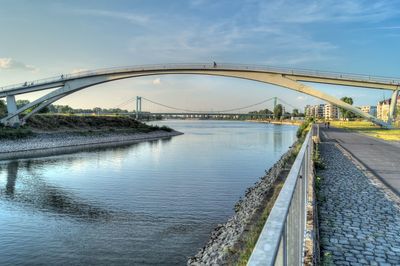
column 40, row 39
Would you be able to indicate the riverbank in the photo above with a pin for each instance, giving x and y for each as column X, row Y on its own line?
column 279, row 122
column 47, row 144
column 232, row 243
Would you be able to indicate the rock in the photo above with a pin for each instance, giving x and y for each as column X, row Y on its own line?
column 225, row 236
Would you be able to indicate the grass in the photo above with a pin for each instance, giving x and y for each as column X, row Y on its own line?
column 14, row 133
column 252, row 236
column 317, row 160
column 83, row 125
column 90, row 124
column 369, row 129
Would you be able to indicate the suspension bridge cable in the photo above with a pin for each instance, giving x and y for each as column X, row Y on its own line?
column 196, row 111
column 294, row 107
column 219, row 111
column 125, row 102
column 245, row 107
column 170, row 107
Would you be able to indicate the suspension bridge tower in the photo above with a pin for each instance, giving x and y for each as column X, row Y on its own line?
column 138, row 106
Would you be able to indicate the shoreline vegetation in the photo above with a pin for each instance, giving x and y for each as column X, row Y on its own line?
column 46, row 135
column 279, row 122
column 232, row 243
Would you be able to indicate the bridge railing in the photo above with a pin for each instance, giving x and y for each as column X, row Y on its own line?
column 222, row 66
column 281, row 241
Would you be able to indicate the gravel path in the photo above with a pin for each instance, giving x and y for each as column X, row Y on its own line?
column 359, row 224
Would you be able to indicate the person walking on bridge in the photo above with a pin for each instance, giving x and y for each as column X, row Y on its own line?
column 215, row 64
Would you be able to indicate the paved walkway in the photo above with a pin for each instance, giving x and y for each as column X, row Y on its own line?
column 359, row 224
column 380, row 157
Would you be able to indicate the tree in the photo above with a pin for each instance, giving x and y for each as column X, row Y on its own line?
column 346, row 113
column 44, row 110
column 21, row 103
column 97, row 110
column 3, row 108
column 65, row 109
column 278, row 110
column 295, row 113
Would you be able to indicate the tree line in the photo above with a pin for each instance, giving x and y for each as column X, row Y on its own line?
column 61, row 109
column 279, row 112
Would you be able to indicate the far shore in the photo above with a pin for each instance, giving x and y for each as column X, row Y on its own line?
column 283, row 122
column 42, row 145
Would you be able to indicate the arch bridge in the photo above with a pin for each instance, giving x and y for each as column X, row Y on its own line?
column 292, row 79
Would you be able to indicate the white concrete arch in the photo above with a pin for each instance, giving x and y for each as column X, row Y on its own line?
column 286, row 79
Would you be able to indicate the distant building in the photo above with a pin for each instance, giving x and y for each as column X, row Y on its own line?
column 369, row 109
column 382, row 109
column 319, row 110
column 308, row 111
column 331, row 112
column 326, row 111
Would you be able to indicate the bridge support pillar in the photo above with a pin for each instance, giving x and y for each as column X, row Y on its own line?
column 138, row 106
column 12, row 108
column 392, row 108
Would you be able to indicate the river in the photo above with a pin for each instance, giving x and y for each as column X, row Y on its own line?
column 149, row 203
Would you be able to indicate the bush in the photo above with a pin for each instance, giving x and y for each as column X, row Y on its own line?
column 318, row 162
column 302, row 130
column 165, row 128
column 14, row 133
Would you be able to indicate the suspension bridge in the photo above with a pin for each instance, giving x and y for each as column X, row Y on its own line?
column 231, row 113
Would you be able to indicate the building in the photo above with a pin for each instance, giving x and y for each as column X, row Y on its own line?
column 369, row 109
column 331, row 112
column 382, row 109
column 308, row 111
column 326, row 111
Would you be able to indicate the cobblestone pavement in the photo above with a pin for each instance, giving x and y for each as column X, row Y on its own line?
column 359, row 224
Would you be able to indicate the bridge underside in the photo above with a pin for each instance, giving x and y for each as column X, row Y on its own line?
column 70, row 86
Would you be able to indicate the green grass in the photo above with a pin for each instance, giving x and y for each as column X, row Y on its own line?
column 251, row 237
column 369, row 129
column 14, row 133
column 89, row 124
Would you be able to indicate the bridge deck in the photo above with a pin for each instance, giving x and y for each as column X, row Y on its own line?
column 298, row 74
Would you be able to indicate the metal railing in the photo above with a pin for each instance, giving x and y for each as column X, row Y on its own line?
column 220, row 66
column 281, row 241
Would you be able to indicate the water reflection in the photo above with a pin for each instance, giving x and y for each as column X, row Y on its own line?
column 277, row 140
column 150, row 203
column 12, row 171
column 39, row 196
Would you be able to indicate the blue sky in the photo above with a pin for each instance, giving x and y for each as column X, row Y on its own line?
column 40, row 39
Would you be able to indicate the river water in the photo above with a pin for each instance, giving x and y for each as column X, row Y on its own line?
column 150, row 203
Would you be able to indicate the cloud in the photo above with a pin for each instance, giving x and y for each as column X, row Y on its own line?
column 78, row 70
column 388, row 28
column 127, row 16
column 256, row 41
column 275, row 32
column 9, row 63
column 311, row 11
column 157, row 81
column 301, row 98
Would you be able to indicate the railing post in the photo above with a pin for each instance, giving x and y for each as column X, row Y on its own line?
column 284, row 247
